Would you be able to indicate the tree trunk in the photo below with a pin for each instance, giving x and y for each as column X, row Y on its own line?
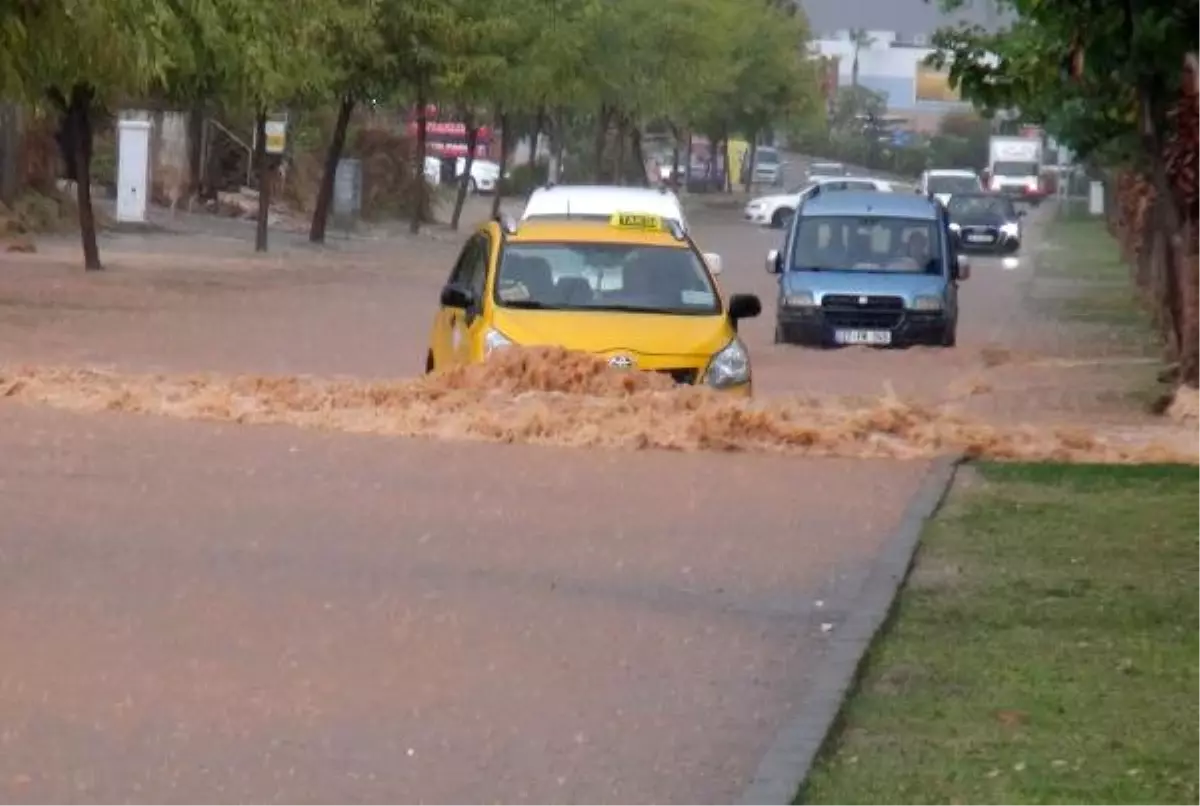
column 10, row 144
column 264, row 180
column 554, row 174
column 1169, row 226
column 674, row 156
column 196, row 150
column 74, row 138
column 464, row 181
column 80, row 121
column 418, row 208
column 639, row 154
column 601, row 141
column 687, row 168
column 539, row 123
column 502, row 122
column 316, row 232
column 748, row 179
column 619, row 157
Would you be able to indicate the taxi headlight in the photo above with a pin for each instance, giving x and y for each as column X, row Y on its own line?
column 927, row 304
column 798, row 299
column 729, row 367
column 493, row 340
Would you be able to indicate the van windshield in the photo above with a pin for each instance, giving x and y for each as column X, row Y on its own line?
column 604, row 276
column 867, row 243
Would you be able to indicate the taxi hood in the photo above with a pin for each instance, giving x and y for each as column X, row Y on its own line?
column 607, row 331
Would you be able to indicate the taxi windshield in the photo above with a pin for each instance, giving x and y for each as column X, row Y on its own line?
column 638, row 278
column 866, row 243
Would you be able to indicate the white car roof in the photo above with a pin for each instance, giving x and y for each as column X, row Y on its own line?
column 950, row 172
column 562, row 200
column 824, row 179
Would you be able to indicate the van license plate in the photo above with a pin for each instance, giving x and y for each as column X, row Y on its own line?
column 976, row 238
column 873, row 337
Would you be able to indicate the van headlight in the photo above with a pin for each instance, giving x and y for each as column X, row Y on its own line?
column 798, row 299
column 493, row 340
column 729, row 367
column 927, row 304
column 1011, row 229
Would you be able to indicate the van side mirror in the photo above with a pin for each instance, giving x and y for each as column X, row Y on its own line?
column 774, row 265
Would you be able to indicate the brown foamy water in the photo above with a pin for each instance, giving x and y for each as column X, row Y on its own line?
column 553, row 397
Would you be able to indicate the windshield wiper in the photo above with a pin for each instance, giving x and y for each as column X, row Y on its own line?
column 530, row 304
column 638, row 309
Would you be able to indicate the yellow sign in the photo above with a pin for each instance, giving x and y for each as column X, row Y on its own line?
column 638, row 221
column 933, row 86
column 736, row 153
column 276, row 140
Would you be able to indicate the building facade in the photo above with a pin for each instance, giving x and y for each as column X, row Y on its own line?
column 893, row 65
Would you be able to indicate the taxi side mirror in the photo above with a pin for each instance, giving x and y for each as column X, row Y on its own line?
column 714, row 262
column 744, row 306
column 455, row 296
column 773, row 266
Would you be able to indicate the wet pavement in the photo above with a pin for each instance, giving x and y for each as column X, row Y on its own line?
column 210, row 612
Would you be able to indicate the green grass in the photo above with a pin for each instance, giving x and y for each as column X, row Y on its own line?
column 1044, row 649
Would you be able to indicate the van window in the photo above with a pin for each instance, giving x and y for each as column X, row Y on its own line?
column 867, row 243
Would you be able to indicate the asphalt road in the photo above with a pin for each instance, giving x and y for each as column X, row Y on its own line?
column 198, row 612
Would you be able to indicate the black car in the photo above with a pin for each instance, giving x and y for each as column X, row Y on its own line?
column 986, row 223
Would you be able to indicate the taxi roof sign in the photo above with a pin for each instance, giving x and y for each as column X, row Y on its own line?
column 638, row 221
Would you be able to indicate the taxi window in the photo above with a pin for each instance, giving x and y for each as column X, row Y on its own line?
column 866, row 243
column 605, row 276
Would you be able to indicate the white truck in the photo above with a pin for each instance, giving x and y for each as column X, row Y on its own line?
column 1015, row 166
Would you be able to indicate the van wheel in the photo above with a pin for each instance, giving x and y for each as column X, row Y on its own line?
column 782, row 218
column 780, row 335
column 950, row 335
column 429, row 362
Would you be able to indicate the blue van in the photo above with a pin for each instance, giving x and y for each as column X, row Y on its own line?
column 862, row 267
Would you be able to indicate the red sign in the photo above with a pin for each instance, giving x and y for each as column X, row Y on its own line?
column 449, row 130
column 455, row 150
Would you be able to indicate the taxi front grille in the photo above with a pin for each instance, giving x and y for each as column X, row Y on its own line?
column 681, row 376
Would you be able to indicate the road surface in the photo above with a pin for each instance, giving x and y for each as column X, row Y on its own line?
column 220, row 613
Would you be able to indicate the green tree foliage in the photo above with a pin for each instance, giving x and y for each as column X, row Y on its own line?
column 1102, row 78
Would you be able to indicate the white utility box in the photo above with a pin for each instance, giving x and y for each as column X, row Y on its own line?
column 133, row 169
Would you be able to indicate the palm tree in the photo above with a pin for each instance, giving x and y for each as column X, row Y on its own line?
column 860, row 39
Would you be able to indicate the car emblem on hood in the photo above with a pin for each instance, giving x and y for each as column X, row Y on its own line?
column 621, row 362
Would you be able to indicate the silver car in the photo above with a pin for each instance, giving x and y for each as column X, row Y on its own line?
column 768, row 167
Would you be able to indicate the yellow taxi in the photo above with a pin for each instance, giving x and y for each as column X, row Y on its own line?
column 630, row 287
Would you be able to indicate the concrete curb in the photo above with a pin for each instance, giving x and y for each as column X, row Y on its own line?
column 788, row 761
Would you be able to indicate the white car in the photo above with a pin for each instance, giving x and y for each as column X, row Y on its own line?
column 945, row 182
column 485, row 174
column 433, row 171
column 601, row 202
column 777, row 211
